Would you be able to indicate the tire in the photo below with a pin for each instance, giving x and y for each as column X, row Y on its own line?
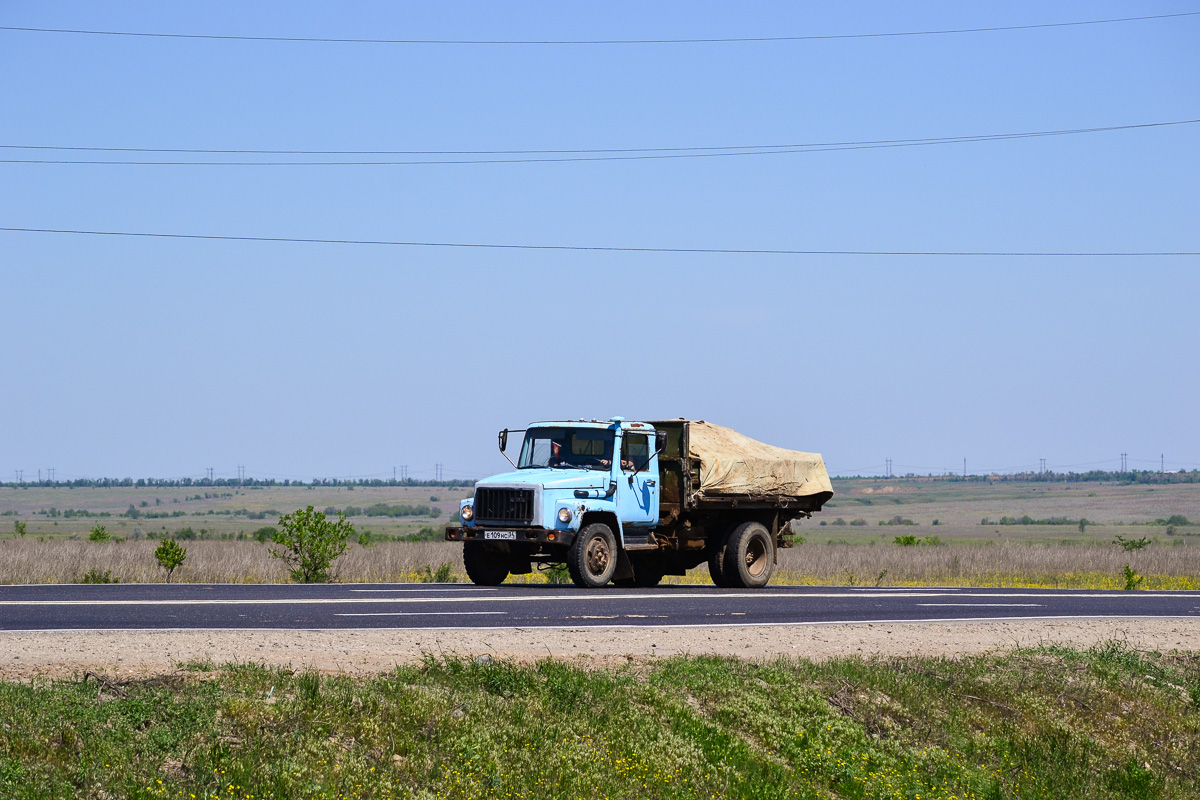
column 485, row 566
column 749, row 556
column 592, row 557
column 716, row 560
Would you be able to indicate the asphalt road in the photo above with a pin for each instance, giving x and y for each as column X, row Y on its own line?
column 413, row 606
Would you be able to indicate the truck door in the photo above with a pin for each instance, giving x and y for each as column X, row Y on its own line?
column 637, row 492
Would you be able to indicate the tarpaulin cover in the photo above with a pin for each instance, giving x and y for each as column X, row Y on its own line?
column 731, row 463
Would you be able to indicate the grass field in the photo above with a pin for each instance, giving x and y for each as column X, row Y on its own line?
column 1108, row 722
column 844, row 544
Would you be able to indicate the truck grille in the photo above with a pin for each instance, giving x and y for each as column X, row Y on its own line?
column 504, row 505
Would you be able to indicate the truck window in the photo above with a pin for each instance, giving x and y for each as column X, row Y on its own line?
column 635, row 451
column 585, row 448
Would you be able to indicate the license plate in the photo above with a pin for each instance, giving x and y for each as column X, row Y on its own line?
column 505, row 535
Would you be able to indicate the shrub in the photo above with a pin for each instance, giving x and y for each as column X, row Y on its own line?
column 1132, row 579
column 96, row 576
column 444, row 574
column 908, row 540
column 19, row 527
column 1129, row 545
column 99, row 534
column 310, row 544
column 263, row 534
column 858, row 522
column 169, row 556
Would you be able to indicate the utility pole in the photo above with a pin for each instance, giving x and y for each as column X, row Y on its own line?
column 241, row 474
column 437, row 471
column 889, row 468
column 964, row 468
column 20, row 476
column 1042, row 466
column 1162, row 462
column 1123, row 461
column 404, row 472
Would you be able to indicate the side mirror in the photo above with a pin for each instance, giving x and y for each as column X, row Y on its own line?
column 660, row 441
column 503, row 440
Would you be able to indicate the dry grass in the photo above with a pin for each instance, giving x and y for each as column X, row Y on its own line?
column 1008, row 564
column 62, row 561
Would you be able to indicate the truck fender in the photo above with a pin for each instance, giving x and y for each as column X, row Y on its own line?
column 599, row 510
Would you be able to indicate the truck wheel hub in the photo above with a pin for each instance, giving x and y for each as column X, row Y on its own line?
column 597, row 556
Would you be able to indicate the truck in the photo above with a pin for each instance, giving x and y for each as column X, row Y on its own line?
column 631, row 502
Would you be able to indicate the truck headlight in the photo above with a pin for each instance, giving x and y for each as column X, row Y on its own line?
column 467, row 513
column 564, row 515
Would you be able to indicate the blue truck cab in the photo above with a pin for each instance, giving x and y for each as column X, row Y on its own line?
column 583, row 492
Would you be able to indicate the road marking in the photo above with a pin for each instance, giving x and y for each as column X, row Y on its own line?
column 432, row 589
column 593, row 596
column 420, row 613
column 985, row 605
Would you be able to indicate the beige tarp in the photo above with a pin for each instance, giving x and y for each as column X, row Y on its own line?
column 731, row 463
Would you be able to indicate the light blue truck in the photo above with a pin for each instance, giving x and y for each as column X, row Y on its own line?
column 630, row 502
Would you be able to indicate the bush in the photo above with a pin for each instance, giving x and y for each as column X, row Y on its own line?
column 19, row 527
column 1129, row 545
column 1132, row 579
column 310, row 544
column 96, row 576
column 444, row 574
column 169, row 556
column 908, row 540
column 263, row 534
column 99, row 534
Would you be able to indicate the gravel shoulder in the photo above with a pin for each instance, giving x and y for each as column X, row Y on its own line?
column 132, row 654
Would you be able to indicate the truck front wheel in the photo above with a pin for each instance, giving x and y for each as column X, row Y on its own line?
column 592, row 557
column 485, row 566
column 749, row 556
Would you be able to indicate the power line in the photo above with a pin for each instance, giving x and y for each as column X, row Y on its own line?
column 614, row 249
column 722, row 40
column 546, row 156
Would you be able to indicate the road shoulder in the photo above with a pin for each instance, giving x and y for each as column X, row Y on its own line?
column 130, row 654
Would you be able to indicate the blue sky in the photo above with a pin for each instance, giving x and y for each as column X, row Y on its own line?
column 161, row 357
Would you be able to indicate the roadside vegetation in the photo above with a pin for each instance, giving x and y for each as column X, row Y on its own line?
column 1039, row 531
column 1108, row 722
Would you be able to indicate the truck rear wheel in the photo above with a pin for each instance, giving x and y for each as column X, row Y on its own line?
column 485, row 566
column 592, row 557
column 749, row 556
column 716, row 559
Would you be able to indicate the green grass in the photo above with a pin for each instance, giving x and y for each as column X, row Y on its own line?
column 1049, row 723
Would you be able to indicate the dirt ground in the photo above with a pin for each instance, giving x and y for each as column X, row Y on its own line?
column 125, row 654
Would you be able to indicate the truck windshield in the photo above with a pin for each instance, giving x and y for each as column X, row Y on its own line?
column 575, row 448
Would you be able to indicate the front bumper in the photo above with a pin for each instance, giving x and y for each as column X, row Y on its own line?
column 527, row 535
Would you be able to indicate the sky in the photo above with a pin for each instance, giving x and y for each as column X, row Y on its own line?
column 135, row 356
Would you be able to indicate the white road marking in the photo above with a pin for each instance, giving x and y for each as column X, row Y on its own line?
column 985, row 605
column 588, row 595
column 432, row 589
column 421, row 614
